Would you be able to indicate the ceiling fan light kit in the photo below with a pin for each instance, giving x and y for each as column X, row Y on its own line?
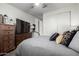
column 41, row 5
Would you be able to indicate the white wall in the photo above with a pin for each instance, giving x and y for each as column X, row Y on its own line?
column 50, row 21
column 14, row 13
column 36, row 22
column 39, row 25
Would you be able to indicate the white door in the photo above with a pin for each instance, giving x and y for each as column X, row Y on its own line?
column 49, row 24
column 63, row 22
column 58, row 22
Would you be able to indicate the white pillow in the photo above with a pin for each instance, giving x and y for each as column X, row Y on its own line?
column 74, row 44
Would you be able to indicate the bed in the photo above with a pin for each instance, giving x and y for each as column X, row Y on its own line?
column 42, row 46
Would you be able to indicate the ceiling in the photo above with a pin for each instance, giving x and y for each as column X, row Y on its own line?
column 38, row 11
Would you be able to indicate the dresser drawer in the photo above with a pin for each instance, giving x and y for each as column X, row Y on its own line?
column 7, row 37
column 9, row 27
column 6, row 27
column 8, row 43
column 1, row 46
column 8, row 32
column 5, row 46
column 12, row 36
column 12, row 44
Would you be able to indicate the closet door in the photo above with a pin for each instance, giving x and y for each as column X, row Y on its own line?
column 37, row 25
column 63, row 22
column 49, row 24
column 56, row 22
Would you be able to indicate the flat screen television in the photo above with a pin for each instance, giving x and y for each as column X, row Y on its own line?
column 28, row 27
column 18, row 26
column 22, row 26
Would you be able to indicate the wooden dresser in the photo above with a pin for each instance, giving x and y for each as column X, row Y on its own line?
column 7, row 38
column 21, row 37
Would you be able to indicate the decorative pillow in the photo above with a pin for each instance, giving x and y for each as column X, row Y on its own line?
column 68, row 37
column 54, row 36
column 73, row 32
column 75, row 42
column 59, row 39
column 66, row 32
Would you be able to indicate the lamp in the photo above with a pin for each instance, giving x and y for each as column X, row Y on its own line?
column 34, row 33
column 33, row 27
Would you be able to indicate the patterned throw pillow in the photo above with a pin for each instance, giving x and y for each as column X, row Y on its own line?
column 73, row 32
column 67, row 37
column 54, row 36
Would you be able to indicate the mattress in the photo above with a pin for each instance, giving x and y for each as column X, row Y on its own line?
column 42, row 46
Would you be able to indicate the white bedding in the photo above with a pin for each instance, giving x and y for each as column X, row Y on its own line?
column 41, row 46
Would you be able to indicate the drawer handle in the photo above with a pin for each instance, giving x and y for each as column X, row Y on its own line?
column 8, row 37
column 8, row 32
column 8, row 27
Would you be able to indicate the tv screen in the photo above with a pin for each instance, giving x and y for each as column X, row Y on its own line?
column 22, row 26
column 25, row 27
column 18, row 26
column 28, row 26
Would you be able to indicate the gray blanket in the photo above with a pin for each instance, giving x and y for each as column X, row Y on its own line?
column 41, row 46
